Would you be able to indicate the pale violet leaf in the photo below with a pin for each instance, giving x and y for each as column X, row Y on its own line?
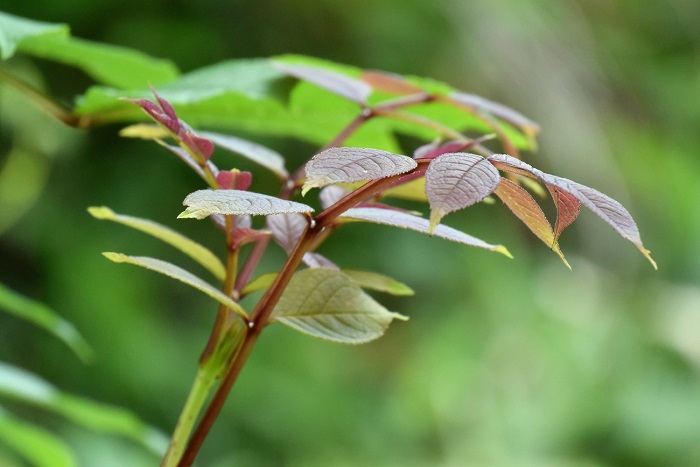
column 255, row 152
column 203, row 203
column 344, row 165
column 455, row 181
column 496, row 109
column 317, row 260
column 411, row 222
column 329, row 305
column 331, row 195
column 342, row 85
column 287, row 229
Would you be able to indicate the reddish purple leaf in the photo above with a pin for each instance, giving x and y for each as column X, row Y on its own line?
column 241, row 237
column 234, row 180
column 455, row 181
column 525, row 208
column 389, row 82
column 411, row 222
column 337, row 83
column 344, row 165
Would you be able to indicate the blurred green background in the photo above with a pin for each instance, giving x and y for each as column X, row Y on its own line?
column 504, row 362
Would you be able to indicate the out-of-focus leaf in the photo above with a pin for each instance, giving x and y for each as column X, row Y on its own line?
column 14, row 30
column 529, row 212
column 203, row 203
column 111, row 65
column 455, row 181
column 342, row 85
column 410, row 222
column 329, row 305
column 394, row 84
column 379, row 282
column 317, row 260
column 37, row 446
column 255, row 152
column 44, row 317
column 25, row 387
column 413, row 190
column 23, row 176
column 480, row 104
column 287, row 229
column 261, row 282
column 180, row 274
column 345, row 165
column 612, row 212
column 331, row 194
column 194, row 250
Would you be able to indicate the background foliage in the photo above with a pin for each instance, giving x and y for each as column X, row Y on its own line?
column 503, row 362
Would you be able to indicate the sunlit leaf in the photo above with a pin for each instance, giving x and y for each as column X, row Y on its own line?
column 180, row 274
column 455, row 181
column 14, row 30
column 603, row 206
column 203, row 203
column 329, row 305
column 379, row 282
column 255, row 152
column 343, row 165
column 342, row 85
column 525, row 208
column 25, row 387
column 194, row 250
column 410, row 222
column 44, row 317
column 38, row 446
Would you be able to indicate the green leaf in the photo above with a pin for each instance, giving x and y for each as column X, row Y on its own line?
column 44, row 317
column 194, row 250
column 379, row 282
column 36, row 445
column 180, row 274
column 329, row 305
column 14, row 30
column 25, row 387
column 203, row 203
column 261, row 282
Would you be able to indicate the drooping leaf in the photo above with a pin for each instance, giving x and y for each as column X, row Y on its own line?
column 317, row 260
column 389, row 82
column 46, row 318
column 39, row 447
column 344, row 165
column 25, row 387
column 529, row 212
column 329, row 305
column 342, row 85
column 287, row 229
column 379, row 282
column 194, row 250
column 455, row 181
column 203, row 203
column 612, row 212
column 255, row 152
column 568, row 208
column 410, row 222
column 180, row 274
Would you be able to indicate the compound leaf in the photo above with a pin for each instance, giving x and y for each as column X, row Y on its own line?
column 411, row 222
column 345, row 165
column 329, row 305
column 194, row 250
column 455, row 181
column 611, row 211
column 203, row 203
column 180, row 274
column 525, row 208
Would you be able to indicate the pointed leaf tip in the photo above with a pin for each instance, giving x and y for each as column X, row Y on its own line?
column 503, row 250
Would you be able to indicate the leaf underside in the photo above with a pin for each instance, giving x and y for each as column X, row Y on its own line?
column 329, row 305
